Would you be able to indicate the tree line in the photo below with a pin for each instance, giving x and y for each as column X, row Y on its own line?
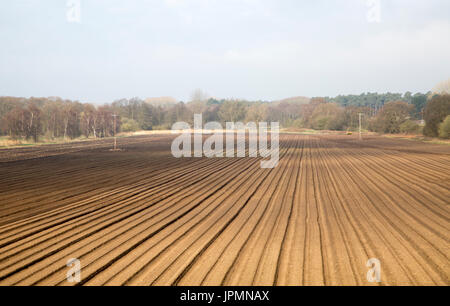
column 54, row 118
column 51, row 118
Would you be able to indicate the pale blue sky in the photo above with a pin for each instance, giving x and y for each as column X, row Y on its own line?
column 252, row 49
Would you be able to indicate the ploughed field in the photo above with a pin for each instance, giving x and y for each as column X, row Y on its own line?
column 143, row 217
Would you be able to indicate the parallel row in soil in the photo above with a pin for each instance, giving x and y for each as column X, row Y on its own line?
column 142, row 217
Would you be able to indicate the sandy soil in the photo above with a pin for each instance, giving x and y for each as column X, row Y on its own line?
column 142, row 217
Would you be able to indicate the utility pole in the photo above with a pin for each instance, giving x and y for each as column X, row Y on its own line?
column 115, row 138
column 360, row 128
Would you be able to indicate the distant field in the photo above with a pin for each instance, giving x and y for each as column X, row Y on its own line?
column 142, row 217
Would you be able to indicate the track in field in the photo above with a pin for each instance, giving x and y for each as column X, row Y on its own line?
column 142, row 217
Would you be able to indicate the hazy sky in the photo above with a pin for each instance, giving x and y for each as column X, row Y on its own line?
column 253, row 49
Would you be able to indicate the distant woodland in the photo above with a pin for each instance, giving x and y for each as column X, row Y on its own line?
column 49, row 118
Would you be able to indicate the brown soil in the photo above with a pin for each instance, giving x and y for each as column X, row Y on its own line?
column 141, row 217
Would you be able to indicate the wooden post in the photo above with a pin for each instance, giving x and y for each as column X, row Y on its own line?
column 115, row 138
column 360, row 127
